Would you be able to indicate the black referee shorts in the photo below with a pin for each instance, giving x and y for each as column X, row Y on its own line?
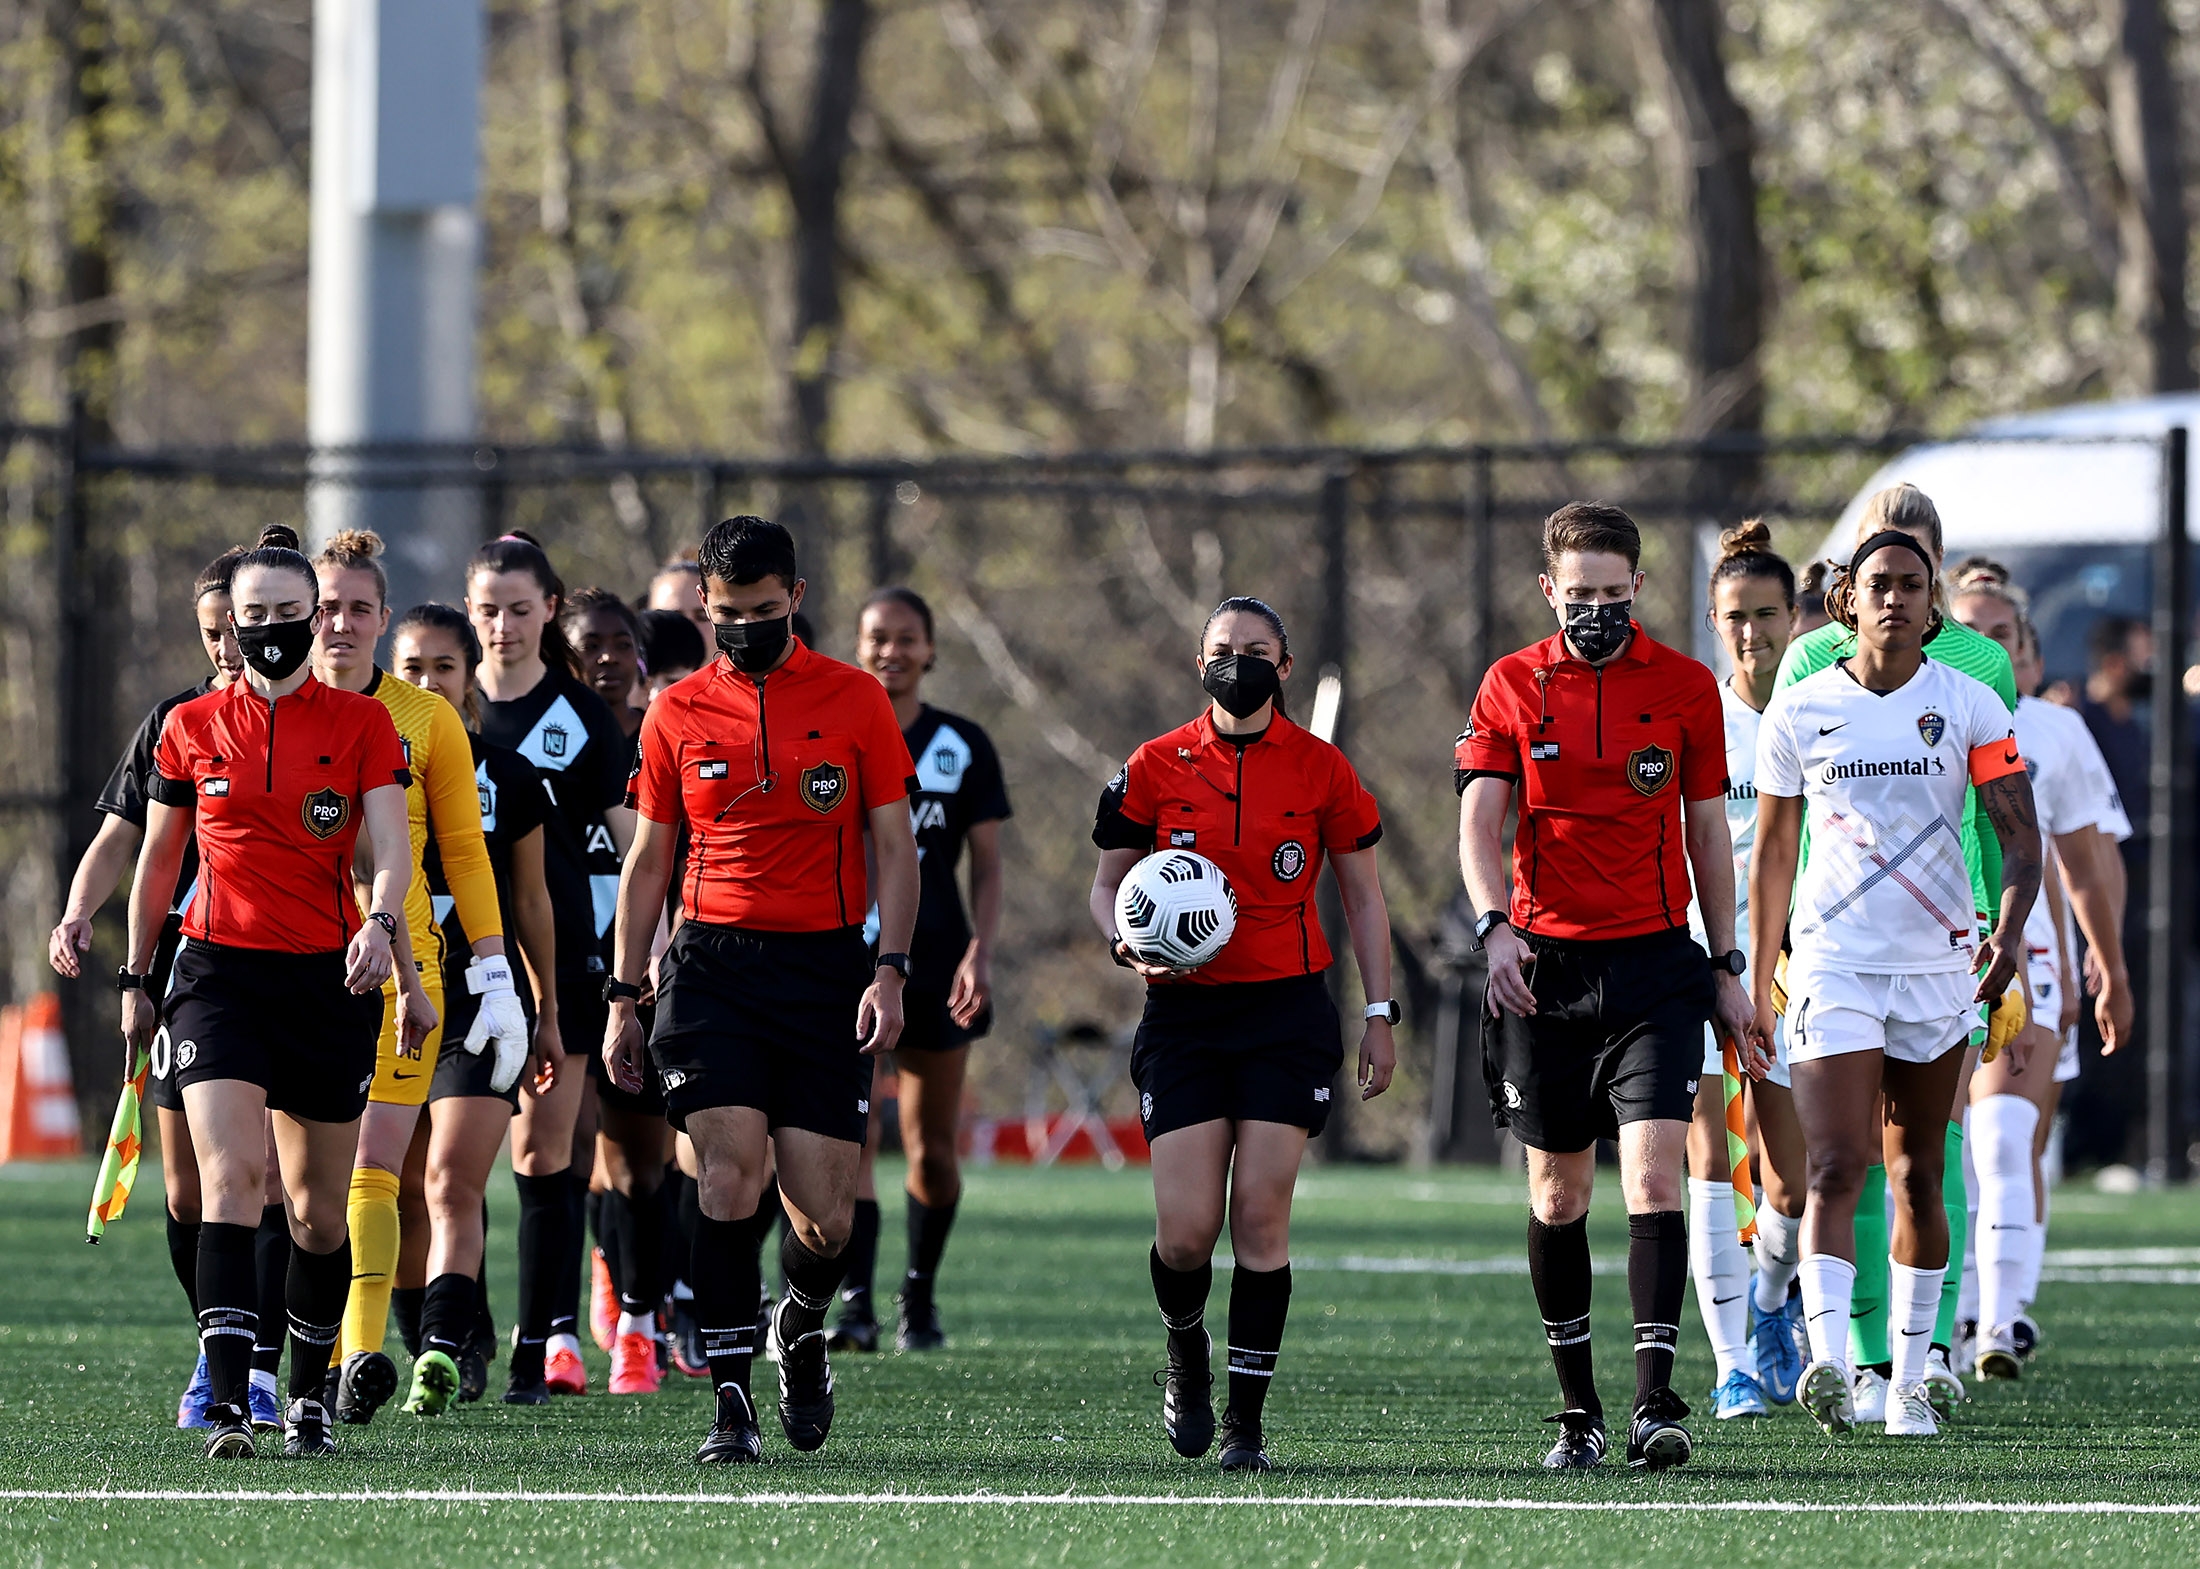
column 160, row 1083
column 1246, row 1051
column 765, row 1019
column 283, row 1021
column 1617, row 1037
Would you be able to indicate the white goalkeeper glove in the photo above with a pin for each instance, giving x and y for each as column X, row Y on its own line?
column 499, row 1019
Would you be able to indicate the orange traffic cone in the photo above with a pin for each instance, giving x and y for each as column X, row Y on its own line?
column 38, row 1118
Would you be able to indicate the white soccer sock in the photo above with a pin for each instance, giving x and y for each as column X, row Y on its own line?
column 1913, row 1303
column 558, row 1343
column 2035, row 1252
column 2005, row 1126
column 1721, row 1273
column 1967, row 1293
column 637, row 1324
column 1779, row 1252
column 1829, row 1285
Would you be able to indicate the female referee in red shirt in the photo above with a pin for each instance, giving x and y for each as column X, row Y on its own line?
column 1235, row 1060
column 276, row 1001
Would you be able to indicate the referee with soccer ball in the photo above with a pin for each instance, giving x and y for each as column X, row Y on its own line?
column 1615, row 748
column 775, row 761
column 1211, row 844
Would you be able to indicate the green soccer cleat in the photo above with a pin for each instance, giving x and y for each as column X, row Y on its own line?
column 435, row 1381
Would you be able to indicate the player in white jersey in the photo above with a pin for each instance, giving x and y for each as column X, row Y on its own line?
column 2012, row 1110
column 1753, row 610
column 1881, row 996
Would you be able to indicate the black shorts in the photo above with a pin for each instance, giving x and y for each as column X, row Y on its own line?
column 1249, row 1051
column 926, row 1024
column 459, row 1073
column 765, row 1019
column 1617, row 1037
column 160, row 1083
column 283, row 1021
column 591, row 1014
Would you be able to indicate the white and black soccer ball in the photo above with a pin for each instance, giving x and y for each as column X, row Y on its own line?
column 1176, row 909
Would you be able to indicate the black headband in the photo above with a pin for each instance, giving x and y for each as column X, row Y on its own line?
column 1880, row 541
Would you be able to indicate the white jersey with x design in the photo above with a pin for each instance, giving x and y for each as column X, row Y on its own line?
column 2072, row 789
column 1886, row 890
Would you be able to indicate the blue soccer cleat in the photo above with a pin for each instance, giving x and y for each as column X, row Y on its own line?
column 1738, row 1395
column 265, row 1406
column 191, row 1410
column 1778, row 1340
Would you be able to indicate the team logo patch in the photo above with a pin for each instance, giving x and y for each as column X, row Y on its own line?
column 186, row 1054
column 213, row 787
column 1145, row 1107
column 554, row 739
column 863, row 1108
column 1932, row 727
column 1648, row 769
column 712, row 768
column 325, row 812
column 1513, row 1102
column 673, row 1078
column 1321, row 1095
column 1288, row 861
column 1183, row 838
column 823, row 786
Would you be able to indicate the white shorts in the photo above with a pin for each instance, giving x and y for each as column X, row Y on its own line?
column 2044, row 982
column 1912, row 1018
column 1714, row 1060
column 2066, row 1060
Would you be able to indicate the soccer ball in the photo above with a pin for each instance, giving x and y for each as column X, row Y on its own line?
column 1175, row 908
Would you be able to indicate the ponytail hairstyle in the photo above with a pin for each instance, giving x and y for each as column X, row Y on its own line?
column 1746, row 552
column 1810, row 594
column 1251, row 606
column 214, row 577
column 522, row 552
column 357, row 548
column 276, row 551
column 437, row 617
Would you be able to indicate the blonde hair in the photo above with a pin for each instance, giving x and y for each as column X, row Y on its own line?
column 1908, row 510
column 360, row 548
column 1982, row 575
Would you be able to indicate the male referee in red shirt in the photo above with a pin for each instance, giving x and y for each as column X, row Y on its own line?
column 1597, row 998
column 777, row 761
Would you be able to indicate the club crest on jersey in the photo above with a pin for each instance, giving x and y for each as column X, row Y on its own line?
column 823, row 786
column 1932, row 727
column 1648, row 769
column 325, row 812
column 554, row 739
column 1288, row 861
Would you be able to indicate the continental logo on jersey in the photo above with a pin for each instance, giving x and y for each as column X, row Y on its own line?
column 325, row 812
column 1900, row 768
column 1932, row 727
column 1649, row 768
column 823, row 786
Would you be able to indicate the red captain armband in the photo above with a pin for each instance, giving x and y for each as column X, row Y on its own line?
column 1995, row 760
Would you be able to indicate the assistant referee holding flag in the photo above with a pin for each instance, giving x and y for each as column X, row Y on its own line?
column 776, row 761
column 1597, row 997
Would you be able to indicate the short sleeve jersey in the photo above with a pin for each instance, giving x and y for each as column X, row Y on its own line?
column 1887, row 888
column 773, row 777
column 959, row 785
column 276, row 790
column 1265, row 812
column 128, row 788
column 577, row 748
column 1742, row 722
column 513, row 806
column 2071, row 789
column 1603, row 756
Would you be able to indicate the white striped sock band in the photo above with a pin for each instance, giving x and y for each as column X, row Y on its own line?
column 215, row 1321
column 313, row 1334
column 1254, row 1364
column 1567, row 1332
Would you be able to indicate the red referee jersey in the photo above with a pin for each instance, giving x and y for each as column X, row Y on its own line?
column 1265, row 813
column 772, row 777
column 1603, row 758
column 276, row 789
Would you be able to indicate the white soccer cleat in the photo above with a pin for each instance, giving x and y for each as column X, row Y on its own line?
column 1823, row 1391
column 1910, row 1413
column 1997, row 1354
column 1942, row 1387
column 1868, row 1395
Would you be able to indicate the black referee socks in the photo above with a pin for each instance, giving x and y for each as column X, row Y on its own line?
column 183, row 1258
column 812, row 1280
column 1558, row 1264
column 1657, row 1278
column 227, row 1323
column 319, row 1283
column 722, row 1273
column 929, row 1225
column 1260, row 1300
column 1182, row 1293
column 271, row 1264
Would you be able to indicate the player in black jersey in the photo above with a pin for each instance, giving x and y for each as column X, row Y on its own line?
column 959, row 798
column 534, row 702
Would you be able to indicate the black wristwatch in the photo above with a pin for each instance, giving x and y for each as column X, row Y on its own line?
column 126, row 982
column 616, row 990
column 1115, row 951
column 1490, row 921
column 386, row 921
column 1732, row 962
column 897, row 962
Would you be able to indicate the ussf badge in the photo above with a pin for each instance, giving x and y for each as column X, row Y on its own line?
column 823, row 786
column 1932, row 727
column 325, row 812
column 1648, row 768
column 1288, row 861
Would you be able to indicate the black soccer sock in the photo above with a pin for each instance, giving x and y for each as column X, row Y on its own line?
column 541, row 1233
column 1182, row 1293
column 407, row 1304
column 672, row 1239
column 1260, row 1300
column 1657, row 1278
column 811, row 1279
column 641, row 1238
column 271, row 1269
column 565, row 1301
column 1558, row 1264
column 314, row 1298
column 723, row 1274
column 485, row 1324
column 447, row 1307
column 861, row 1253
column 183, row 1258
column 228, row 1326
column 768, row 1211
column 928, row 1229
column 689, row 1199
column 607, row 1222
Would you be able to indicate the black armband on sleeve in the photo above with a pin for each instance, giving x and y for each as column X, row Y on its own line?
column 1370, row 839
column 1462, row 777
column 169, row 792
column 1111, row 830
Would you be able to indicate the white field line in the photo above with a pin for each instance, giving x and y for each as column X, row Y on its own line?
column 417, row 1496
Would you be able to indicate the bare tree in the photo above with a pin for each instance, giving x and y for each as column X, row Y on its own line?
column 2142, row 114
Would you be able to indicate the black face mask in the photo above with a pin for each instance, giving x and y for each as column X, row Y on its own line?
column 275, row 649
column 753, row 646
column 1598, row 631
column 1241, row 683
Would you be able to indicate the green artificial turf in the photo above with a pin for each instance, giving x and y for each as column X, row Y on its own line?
column 1396, row 1383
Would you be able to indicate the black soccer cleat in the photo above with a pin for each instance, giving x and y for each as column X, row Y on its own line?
column 368, row 1381
column 306, row 1429
column 1187, row 1410
column 1241, row 1445
column 1656, row 1441
column 473, row 1375
column 1580, row 1445
column 734, row 1437
column 2026, row 1335
column 919, row 1326
column 229, row 1435
column 687, row 1340
column 525, row 1391
column 857, row 1327
column 805, row 1385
